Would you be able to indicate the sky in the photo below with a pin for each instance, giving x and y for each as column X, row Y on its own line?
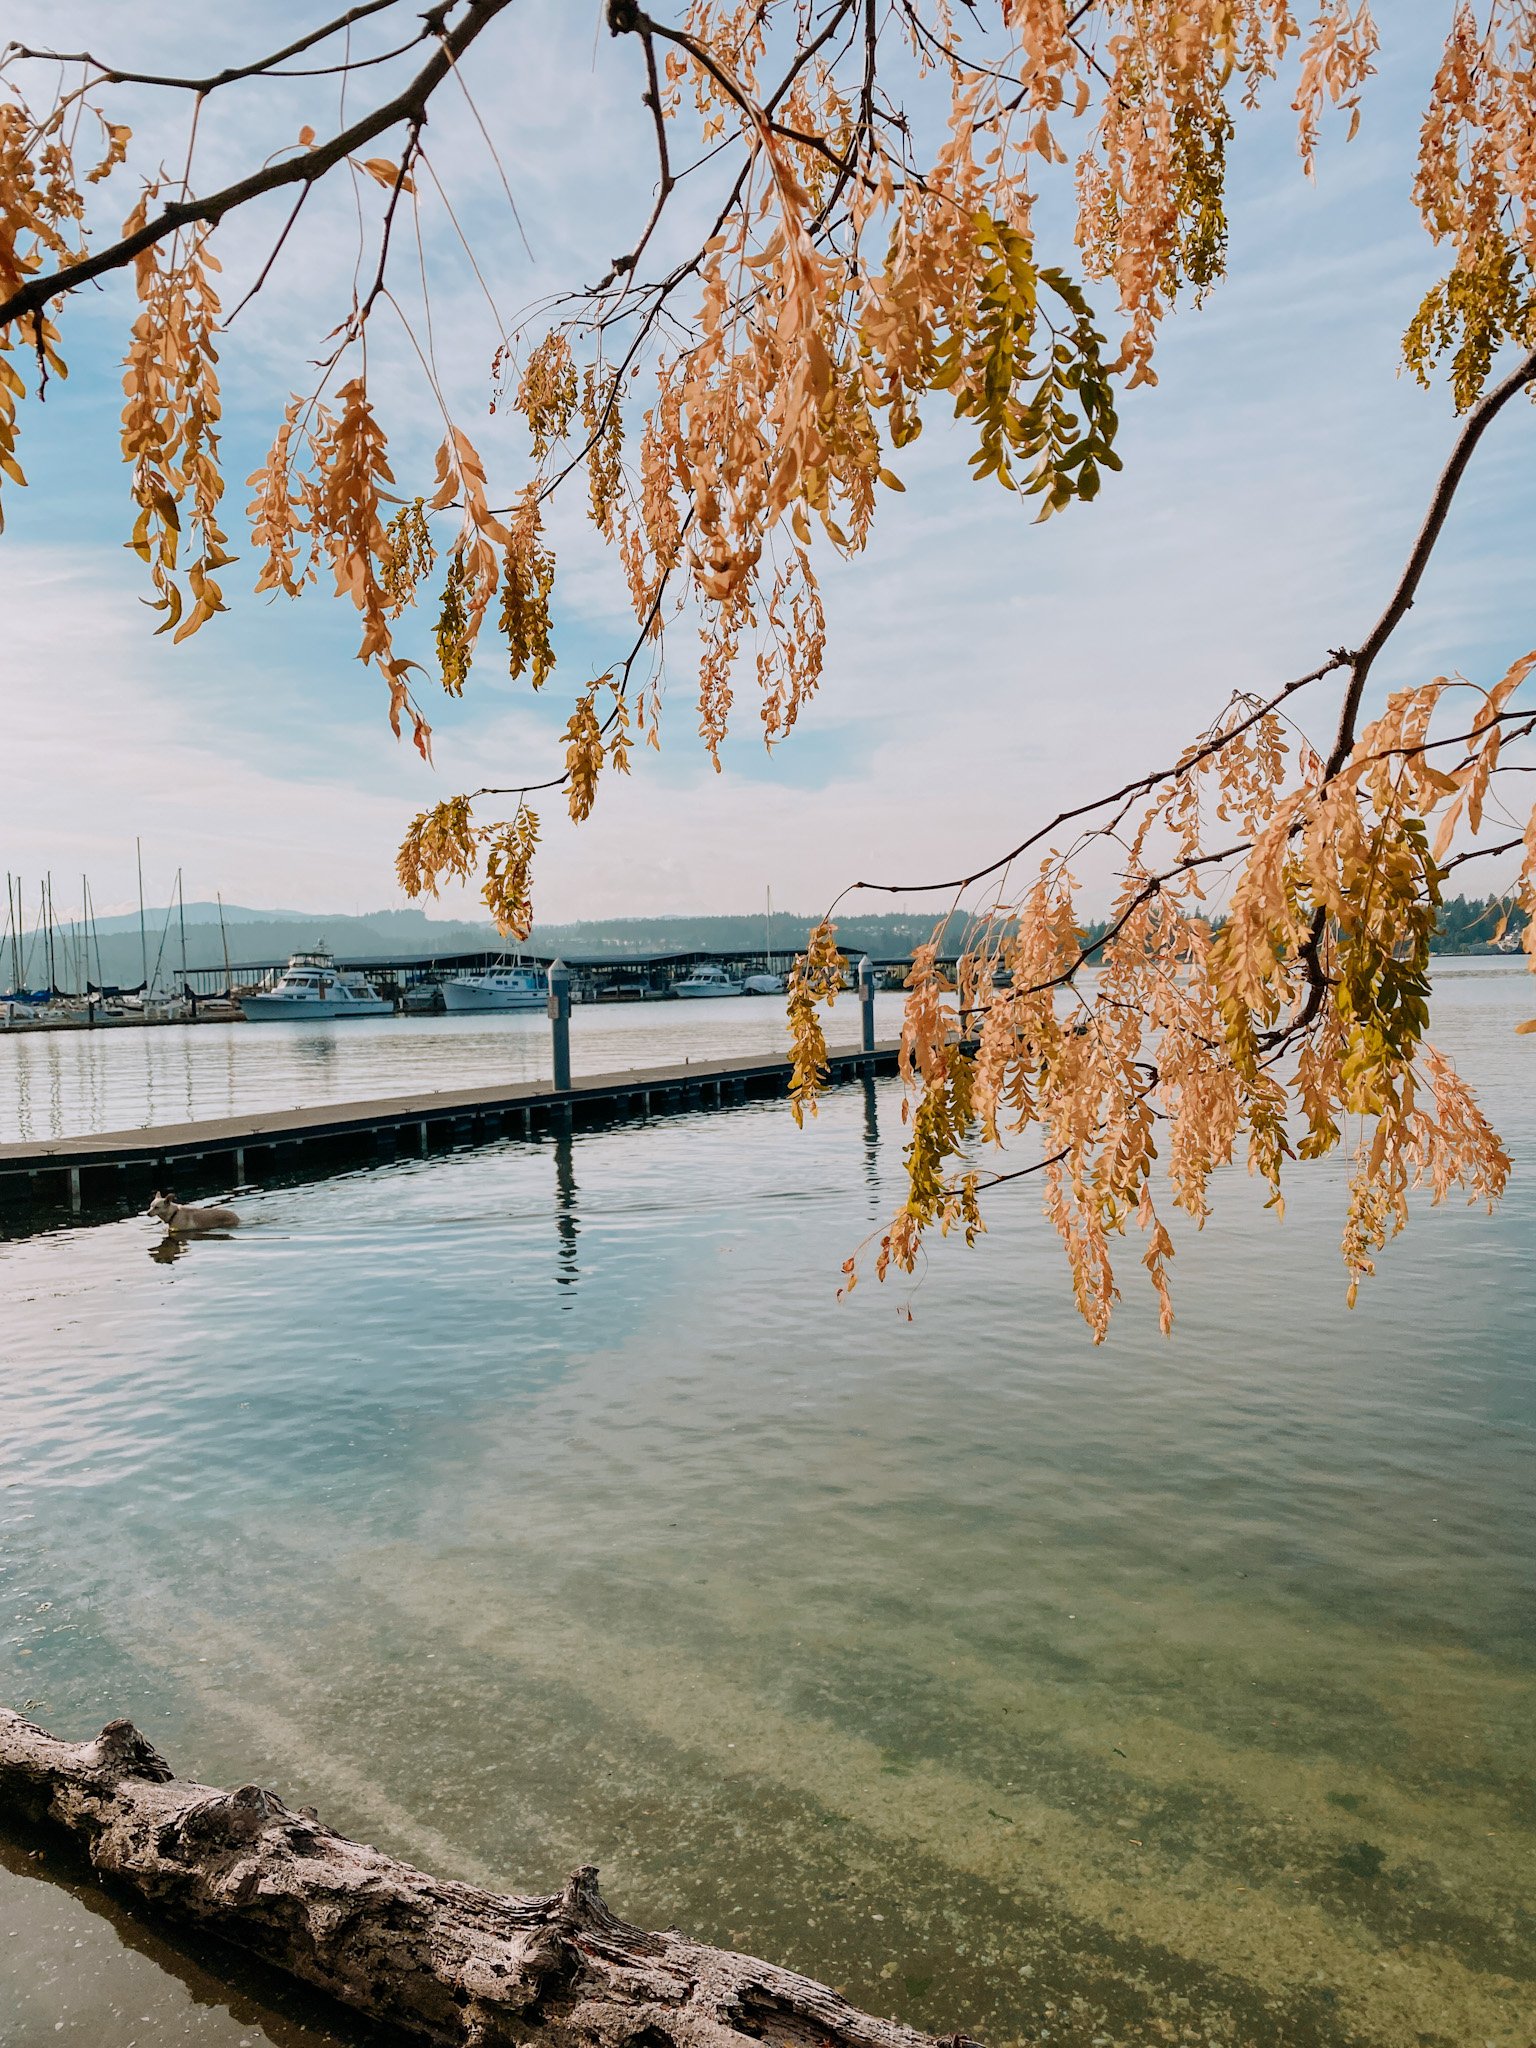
column 982, row 671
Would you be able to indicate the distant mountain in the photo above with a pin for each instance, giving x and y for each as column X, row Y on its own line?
column 111, row 953
column 257, row 938
column 888, row 937
column 196, row 913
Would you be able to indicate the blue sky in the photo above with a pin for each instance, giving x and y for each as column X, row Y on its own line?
column 981, row 671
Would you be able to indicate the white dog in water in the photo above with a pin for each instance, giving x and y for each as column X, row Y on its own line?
column 184, row 1221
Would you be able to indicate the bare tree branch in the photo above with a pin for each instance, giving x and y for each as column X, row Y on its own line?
column 407, row 105
column 108, row 74
column 1473, row 427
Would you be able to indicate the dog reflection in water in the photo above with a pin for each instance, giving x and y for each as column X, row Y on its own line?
column 183, row 1222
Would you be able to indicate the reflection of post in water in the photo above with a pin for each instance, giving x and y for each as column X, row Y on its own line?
column 871, row 1141
column 566, row 1226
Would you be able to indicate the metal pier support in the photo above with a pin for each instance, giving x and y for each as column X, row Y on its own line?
column 866, row 982
column 560, row 1022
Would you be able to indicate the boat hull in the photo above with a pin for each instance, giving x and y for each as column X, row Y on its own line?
column 283, row 1009
column 700, row 995
column 460, row 996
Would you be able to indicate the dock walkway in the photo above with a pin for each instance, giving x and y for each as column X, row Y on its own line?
column 105, row 1170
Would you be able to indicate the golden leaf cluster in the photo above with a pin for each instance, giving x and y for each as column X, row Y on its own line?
column 527, row 582
column 815, row 978
column 42, row 214
column 592, row 743
column 445, row 844
column 170, row 424
column 1291, row 1025
column 1476, row 191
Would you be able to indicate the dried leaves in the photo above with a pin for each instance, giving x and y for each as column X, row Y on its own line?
column 170, row 420
column 850, row 276
column 740, row 413
column 42, row 213
column 1476, row 190
column 1288, row 1027
column 815, row 977
column 445, row 844
column 527, row 581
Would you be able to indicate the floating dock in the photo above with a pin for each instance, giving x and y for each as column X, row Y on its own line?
column 107, row 1171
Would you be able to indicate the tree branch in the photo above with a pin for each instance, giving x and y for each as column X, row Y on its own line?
column 1358, row 663
column 110, row 75
column 301, row 170
column 1144, row 783
column 1474, row 426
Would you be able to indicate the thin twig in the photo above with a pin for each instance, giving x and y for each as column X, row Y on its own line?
column 109, row 74
column 307, row 169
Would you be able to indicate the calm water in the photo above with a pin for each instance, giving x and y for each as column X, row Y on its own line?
column 62, row 1083
column 543, row 1504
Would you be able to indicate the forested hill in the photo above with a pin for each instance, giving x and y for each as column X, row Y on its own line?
column 1476, row 924
column 1467, row 925
column 254, row 936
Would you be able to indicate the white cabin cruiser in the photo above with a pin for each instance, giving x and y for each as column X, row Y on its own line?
column 505, row 985
column 709, row 980
column 313, row 986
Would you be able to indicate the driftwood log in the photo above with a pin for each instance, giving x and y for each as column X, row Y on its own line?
column 447, row 1963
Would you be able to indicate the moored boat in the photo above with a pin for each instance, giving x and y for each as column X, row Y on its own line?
column 313, row 986
column 505, row 985
column 709, row 980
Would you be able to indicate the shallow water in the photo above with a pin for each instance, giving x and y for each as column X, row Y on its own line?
column 59, row 1083
column 542, row 1504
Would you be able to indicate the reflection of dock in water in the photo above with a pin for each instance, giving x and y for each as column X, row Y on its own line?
column 103, row 1171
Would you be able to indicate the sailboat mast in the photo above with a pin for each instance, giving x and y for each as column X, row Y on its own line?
column 138, row 852
column 95, row 935
column 35, row 939
column 53, row 982
column 37, row 936
column 181, row 912
column 224, row 942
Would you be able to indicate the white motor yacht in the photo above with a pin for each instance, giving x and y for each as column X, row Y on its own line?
column 314, row 986
column 709, row 980
column 505, row 985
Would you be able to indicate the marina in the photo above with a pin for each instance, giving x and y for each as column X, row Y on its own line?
column 211, row 994
column 51, row 974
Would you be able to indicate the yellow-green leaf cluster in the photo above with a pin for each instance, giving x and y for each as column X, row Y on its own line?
column 815, row 978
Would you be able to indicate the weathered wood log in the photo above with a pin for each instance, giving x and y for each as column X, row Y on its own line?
column 446, row 1962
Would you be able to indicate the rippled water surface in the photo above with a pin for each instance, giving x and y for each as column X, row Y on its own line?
column 542, row 1504
column 63, row 1083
